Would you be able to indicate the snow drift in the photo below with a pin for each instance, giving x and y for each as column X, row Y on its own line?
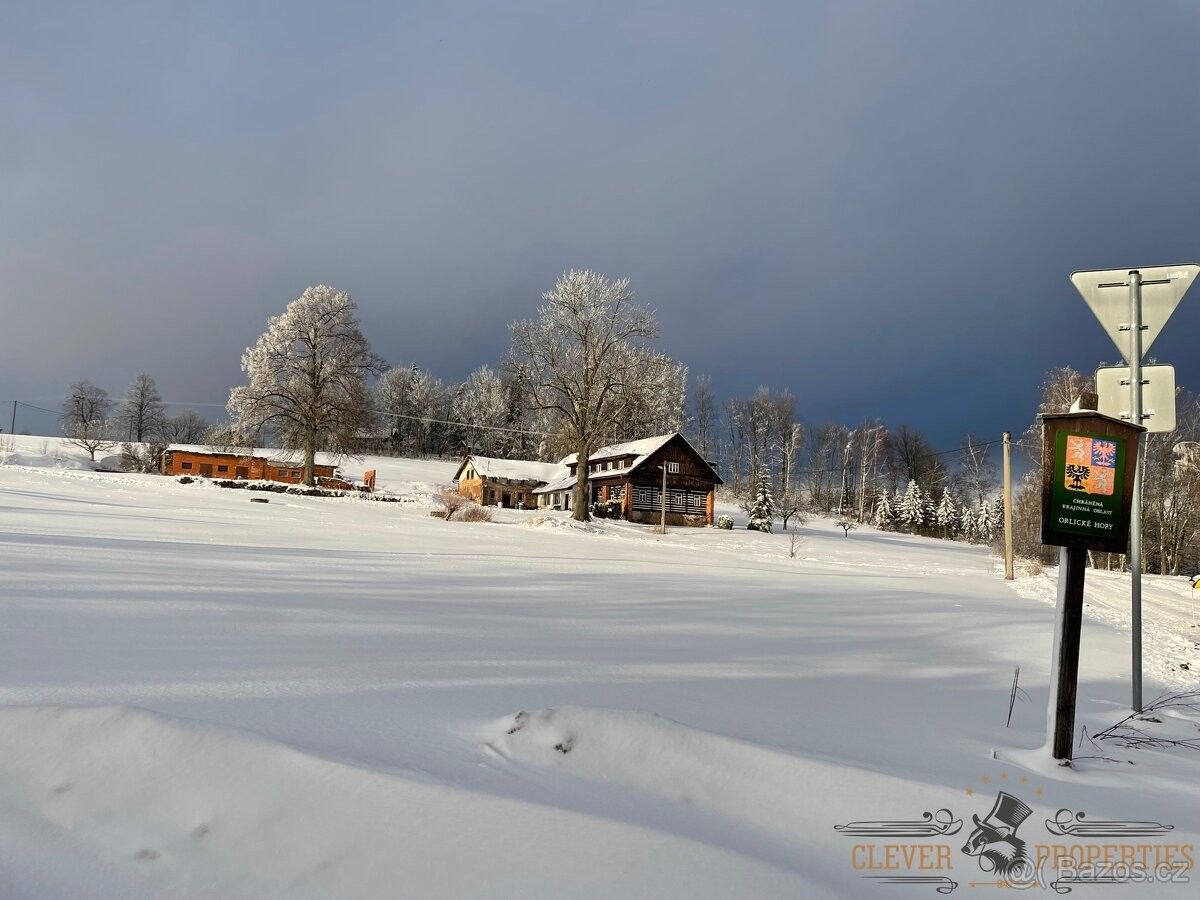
column 121, row 802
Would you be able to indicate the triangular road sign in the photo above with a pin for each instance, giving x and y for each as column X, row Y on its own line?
column 1107, row 293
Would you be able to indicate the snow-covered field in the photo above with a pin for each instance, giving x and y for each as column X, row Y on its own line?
column 206, row 697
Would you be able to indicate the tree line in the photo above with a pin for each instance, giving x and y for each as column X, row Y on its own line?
column 584, row 371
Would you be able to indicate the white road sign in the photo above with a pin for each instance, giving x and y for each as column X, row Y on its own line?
column 1158, row 395
column 1107, row 293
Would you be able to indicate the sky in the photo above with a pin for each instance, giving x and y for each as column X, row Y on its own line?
column 874, row 205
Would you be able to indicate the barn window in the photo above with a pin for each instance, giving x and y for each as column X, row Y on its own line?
column 296, row 473
column 187, row 465
column 222, row 468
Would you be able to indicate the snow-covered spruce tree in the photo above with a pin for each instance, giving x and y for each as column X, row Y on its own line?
column 910, row 511
column 946, row 515
column 762, row 509
column 966, row 523
column 585, row 359
column 985, row 522
column 308, row 377
column 142, row 414
column 885, row 514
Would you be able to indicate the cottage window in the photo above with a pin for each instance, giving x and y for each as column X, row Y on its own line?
column 296, row 473
column 673, row 467
column 186, row 465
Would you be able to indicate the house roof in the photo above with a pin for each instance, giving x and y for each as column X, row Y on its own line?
column 512, row 469
column 287, row 457
column 640, row 451
column 564, row 483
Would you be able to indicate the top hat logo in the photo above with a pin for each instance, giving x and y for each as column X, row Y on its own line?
column 1006, row 816
column 994, row 842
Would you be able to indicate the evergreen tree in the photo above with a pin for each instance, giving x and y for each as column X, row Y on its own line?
column 885, row 513
column 966, row 524
column 911, row 508
column 985, row 523
column 762, row 510
column 946, row 515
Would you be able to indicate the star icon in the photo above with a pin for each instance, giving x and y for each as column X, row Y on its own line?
column 985, row 780
column 970, row 792
column 1022, row 780
column 1038, row 792
column 1004, row 776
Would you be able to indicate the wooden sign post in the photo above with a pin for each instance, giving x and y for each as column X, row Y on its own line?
column 1088, row 465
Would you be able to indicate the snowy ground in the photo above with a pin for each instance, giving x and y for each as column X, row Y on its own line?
column 202, row 696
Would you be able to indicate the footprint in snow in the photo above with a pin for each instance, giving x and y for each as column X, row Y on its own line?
column 146, row 854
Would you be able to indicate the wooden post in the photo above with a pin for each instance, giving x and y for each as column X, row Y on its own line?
column 663, row 528
column 1064, row 665
column 1008, row 509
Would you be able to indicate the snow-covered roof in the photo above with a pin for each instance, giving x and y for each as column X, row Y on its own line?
column 565, row 483
column 641, row 449
column 288, row 457
column 515, row 469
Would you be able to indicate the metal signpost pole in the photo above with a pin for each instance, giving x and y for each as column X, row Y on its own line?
column 1135, row 525
column 1008, row 510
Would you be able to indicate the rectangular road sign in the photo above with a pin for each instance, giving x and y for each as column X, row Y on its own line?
column 1107, row 293
column 1158, row 395
column 1088, row 467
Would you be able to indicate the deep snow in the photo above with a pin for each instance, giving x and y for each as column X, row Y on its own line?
column 313, row 697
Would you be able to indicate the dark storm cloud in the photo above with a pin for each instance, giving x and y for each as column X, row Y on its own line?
column 876, row 205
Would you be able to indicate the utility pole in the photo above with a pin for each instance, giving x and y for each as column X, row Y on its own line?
column 1135, row 525
column 13, row 429
column 1008, row 508
column 663, row 528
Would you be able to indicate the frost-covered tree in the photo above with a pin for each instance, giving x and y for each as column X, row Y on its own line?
column 761, row 508
column 481, row 403
column 85, row 417
column 704, row 416
column 414, row 406
column 946, row 515
column 657, row 401
column 586, row 360
column 308, row 377
column 985, row 522
column 142, row 414
column 967, row 519
column 910, row 511
column 186, row 428
column 885, row 513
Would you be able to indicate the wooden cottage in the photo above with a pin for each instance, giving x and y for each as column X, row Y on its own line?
column 509, row 483
column 631, row 474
